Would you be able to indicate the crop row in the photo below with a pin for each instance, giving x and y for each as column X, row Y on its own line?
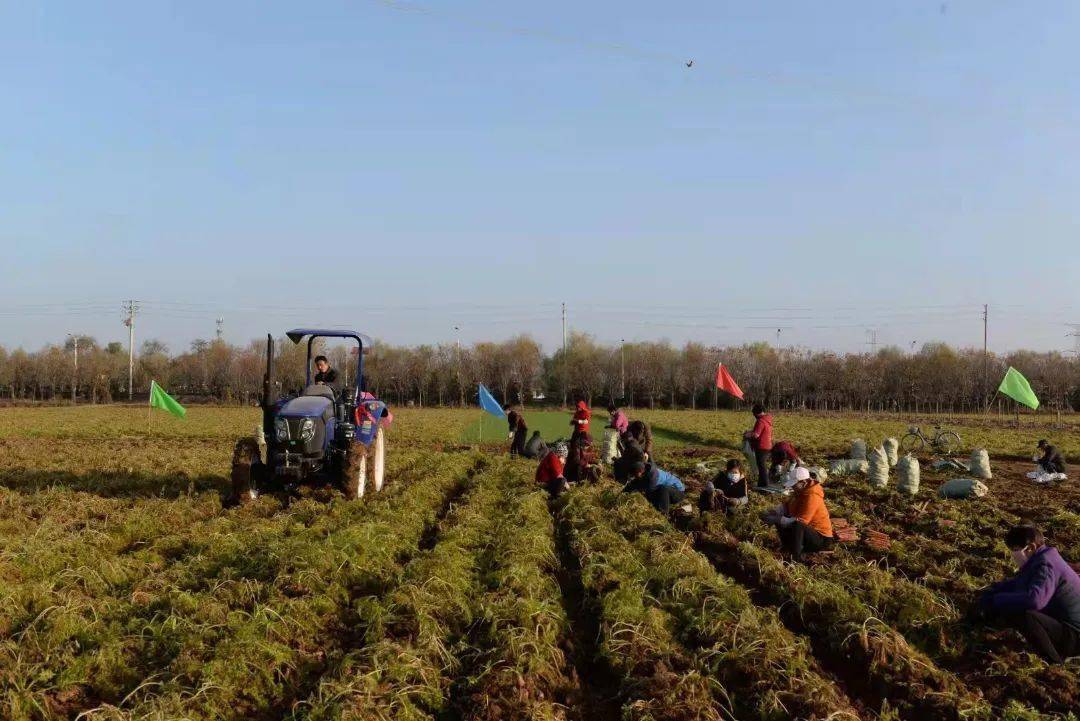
column 688, row 642
column 474, row 627
column 221, row 618
column 907, row 641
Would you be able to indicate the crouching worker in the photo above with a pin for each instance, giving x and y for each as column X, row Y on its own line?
column 535, row 448
column 803, row 521
column 1043, row 600
column 784, row 458
column 1051, row 460
column 727, row 491
column 582, row 465
column 661, row 488
column 549, row 473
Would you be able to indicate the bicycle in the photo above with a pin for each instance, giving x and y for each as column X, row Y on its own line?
column 944, row 442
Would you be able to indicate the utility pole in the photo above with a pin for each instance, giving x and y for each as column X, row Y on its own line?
column 220, row 327
column 75, row 382
column 564, row 382
column 132, row 308
column 913, row 347
column 986, row 353
column 871, row 341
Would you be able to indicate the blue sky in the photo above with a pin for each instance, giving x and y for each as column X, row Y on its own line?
column 826, row 168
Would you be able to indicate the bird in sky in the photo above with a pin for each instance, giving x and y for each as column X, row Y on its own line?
column 689, row 63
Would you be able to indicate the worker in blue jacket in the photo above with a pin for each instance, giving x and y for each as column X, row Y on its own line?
column 661, row 488
column 1043, row 600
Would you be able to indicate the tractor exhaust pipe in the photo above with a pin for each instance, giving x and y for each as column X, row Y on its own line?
column 268, row 387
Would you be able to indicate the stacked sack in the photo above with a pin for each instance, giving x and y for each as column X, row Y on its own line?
column 858, row 450
column 907, row 471
column 879, row 468
column 891, row 446
column 980, row 464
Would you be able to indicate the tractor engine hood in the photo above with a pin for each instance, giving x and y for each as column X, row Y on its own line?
column 307, row 407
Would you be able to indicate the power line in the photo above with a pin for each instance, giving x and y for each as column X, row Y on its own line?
column 1075, row 335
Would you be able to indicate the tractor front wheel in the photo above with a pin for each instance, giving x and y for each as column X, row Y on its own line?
column 246, row 468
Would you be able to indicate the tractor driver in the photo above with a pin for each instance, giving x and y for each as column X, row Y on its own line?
column 325, row 375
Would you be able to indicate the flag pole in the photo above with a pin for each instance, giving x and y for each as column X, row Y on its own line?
column 149, row 408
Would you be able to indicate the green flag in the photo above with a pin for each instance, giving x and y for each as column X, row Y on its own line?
column 1016, row 386
column 160, row 399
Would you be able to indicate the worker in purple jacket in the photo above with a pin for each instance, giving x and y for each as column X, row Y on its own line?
column 1043, row 600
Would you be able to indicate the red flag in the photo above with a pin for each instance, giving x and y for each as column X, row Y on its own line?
column 726, row 383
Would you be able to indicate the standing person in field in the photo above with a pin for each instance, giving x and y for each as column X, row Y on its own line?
column 1043, row 600
column 662, row 489
column 1051, row 461
column 518, row 431
column 760, row 437
column 550, row 472
column 784, row 457
column 803, row 521
column 617, row 419
column 580, row 420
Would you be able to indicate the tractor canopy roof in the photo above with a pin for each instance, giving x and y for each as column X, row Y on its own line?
column 298, row 334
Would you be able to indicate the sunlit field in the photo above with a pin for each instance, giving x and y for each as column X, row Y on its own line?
column 131, row 589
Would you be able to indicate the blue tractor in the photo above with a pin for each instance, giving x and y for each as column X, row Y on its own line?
column 321, row 434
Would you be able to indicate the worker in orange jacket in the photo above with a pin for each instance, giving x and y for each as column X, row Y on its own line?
column 803, row 521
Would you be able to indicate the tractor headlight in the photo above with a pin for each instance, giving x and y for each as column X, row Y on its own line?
column 281, row 429
column 307, row 430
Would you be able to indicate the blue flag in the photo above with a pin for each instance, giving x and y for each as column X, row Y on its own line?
column 489, row 404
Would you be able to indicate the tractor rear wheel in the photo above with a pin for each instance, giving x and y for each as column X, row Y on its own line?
column 354, row 471
column 378, row 459
column 246, row 469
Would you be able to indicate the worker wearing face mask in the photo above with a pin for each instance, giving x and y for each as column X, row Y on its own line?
column 725, row 492
column 1043, row 600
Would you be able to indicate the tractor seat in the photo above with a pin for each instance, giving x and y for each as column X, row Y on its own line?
column 321, row 391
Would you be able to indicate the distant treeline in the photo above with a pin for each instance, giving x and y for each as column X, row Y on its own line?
column 937, row 378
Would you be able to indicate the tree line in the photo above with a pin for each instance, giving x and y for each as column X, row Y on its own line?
column 643, row 374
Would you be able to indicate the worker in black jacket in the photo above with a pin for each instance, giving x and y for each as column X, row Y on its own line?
column 1051, row 461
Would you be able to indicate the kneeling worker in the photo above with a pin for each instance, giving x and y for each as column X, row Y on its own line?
column 1043, row 600
column 535, row 448
column 803, row 521
column 660, row 487
column 549, row 473
column 727, row 491
column 1051, row 460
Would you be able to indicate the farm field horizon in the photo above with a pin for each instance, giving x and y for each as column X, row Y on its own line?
column 130, row 588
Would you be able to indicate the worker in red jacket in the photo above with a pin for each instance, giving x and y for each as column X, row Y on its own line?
column 785, row 457
column 580, row 420
column 551, row 469
column 760, row 437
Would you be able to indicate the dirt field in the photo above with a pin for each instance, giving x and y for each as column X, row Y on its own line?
column 129, row 590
